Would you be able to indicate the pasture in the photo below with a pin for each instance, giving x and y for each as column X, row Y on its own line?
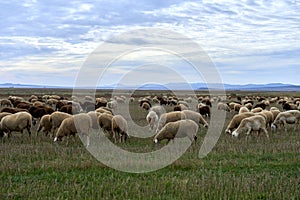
column 36, row 168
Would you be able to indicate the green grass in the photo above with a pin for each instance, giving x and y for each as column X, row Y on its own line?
column 36, row 168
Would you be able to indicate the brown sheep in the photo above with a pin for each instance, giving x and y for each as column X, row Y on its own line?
column 56, row 119
column 195, row 116
column 16, row 122
column 105, row 122
column 169, row 117
column 253, row 123
column 179, row 129
column 236, row 120
column 287, row 117
column 79, row 123
column 45, row 124
column 119, row 128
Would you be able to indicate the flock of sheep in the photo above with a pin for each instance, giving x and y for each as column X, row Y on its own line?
column 62, row 117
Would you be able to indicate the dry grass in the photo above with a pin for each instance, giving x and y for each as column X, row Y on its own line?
column 36, row 168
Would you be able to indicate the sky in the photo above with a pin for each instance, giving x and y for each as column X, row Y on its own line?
column 49, row 42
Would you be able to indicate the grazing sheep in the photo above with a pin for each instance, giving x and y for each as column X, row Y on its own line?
column 152, row 120
column 104, row 121
column 243, row 109
column 104, row 110
column 16, row 122
column 180, row 107
column 158, row 109
column 119, row 128
column 287, row 117
column 195, row 116
column 179, row 129
column 236, row 120
column 56, row 119
column 13, row 110
column 268, row 115
column 146, row 106
column 237, row 107
column 112, row 104
column 45, row 124
column 5, row 102
column 79, row 123
column 94, row 117
column 232, row 105
column 3, row 114
column 256, row 110
column 204, row 110
column 223, row 106
column 170, row 117
column 249, row 105
column 253, row 123
column 289, row 106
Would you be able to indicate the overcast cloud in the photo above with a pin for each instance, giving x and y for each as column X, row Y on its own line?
column 46, row 42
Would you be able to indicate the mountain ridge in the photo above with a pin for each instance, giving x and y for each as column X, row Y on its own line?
column 177, row 86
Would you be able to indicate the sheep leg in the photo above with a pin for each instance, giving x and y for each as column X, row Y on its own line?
column 266, row 132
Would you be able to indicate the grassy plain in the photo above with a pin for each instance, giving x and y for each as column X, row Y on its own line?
column 36, row 168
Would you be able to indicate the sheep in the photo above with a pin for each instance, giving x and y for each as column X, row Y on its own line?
column 268, row 115
column 152, row 120
column 256, row 110
column 104, row 110
column 56, row 119
column 146, row 106
column 45, row 123
column 237, row 107
column 223, row 106
column 6, row 102
column 158, row 109
column 16, row 122
column 236, row 120
column 204, row 110
column 195, row 116
column 94, row 117
column 179, row 129
column 243, row 109
column 119, row 128
column 79, row 123
column 249, row 105
column 169, row 117
column 104, row 121
column 112, row 104
column 180, row 107
column 3, row 114
column 287, row 117
column 253, row 123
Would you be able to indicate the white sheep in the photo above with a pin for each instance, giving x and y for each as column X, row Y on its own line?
column 236, row 120
column 254, row 123
column 287, row 117
column 179, row 129
column 152, row 120
column 159, row 110
column 16, row 122
column 119, row 128
column 257, row 110
column 79, row 123
column 196, row 117
column 169, row 117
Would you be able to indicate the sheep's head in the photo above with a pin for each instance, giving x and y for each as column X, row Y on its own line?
column 274, row 127
column 235, row 134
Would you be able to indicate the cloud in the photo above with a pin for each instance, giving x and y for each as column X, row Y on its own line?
column 249, row 37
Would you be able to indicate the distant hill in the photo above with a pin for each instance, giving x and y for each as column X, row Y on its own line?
column 180, row 86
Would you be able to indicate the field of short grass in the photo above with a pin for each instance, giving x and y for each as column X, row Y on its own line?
column 36, row 168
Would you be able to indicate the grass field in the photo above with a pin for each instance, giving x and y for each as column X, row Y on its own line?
column 36, row 168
